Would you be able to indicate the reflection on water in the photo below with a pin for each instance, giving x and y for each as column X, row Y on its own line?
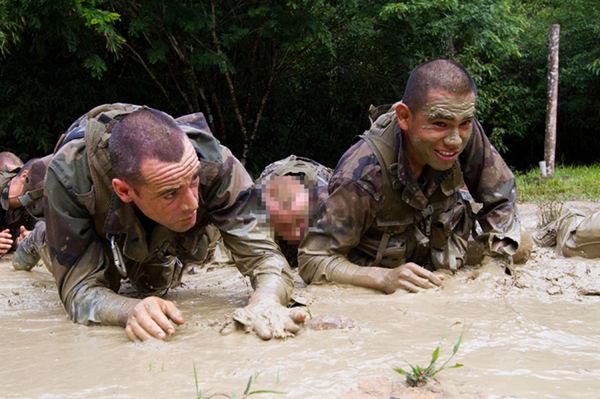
column 518, row 342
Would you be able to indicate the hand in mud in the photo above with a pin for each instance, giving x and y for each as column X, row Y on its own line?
column 5, row 241
column 410, row 277
column 23, row 233
column 152, row 317
column 268, row 319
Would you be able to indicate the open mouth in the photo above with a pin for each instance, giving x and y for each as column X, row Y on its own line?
column 446, row 155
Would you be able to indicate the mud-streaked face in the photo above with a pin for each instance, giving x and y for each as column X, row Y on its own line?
column 436, row 134
column 169, row 193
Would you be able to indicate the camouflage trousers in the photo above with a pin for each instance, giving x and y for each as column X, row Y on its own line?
column 578, row 234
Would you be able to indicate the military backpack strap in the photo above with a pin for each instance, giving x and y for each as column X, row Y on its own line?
column 97, row 129
column 382, row 140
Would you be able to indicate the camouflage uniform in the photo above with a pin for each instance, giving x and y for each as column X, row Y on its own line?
column 12, row 219
column 95, row 240
column 34, row 245
column 315, row 178
column 578, row 234
column 382, row 216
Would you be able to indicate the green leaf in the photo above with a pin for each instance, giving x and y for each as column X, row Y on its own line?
column 248, row 385
column 400, row 371
column 457, row 344
column 263, row 391
column 435, row 355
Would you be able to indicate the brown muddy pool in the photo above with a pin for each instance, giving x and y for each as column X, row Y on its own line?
column 535, row 336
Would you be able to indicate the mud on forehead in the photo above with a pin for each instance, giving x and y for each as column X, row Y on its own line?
column 450, row 108
column 171, row 174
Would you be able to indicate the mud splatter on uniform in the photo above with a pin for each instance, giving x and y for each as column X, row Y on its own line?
column 378, row 214
column 90, row 231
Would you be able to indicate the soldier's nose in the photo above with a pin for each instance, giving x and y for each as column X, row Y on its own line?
column 453, row 139
column 190, row 202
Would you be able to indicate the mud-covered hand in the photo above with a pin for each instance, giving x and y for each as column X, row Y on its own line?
column 152, row 317
column 268, row 319
column 23, row 233
column 410, row 277
column 5, row 241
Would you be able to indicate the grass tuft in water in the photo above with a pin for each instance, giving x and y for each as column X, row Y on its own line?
column 248, row 391
column 418, row 375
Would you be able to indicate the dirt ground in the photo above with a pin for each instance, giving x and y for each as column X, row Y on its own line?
column 534, row 335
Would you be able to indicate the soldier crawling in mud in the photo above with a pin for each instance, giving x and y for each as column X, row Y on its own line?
column 400, row 203
column 130, row 194
column 289, row 193
column 24, row 196
column 14, row 217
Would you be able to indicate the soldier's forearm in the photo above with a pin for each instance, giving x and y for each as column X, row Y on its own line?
column 318, row 269
column 270, row 285
column 100, row 305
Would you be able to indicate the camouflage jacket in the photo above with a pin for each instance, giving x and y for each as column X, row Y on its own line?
column 84, row 216
column 315, row 178
column 354, row 226
column 31, row 198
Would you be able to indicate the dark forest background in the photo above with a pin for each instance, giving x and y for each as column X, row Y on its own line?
column 281, row 77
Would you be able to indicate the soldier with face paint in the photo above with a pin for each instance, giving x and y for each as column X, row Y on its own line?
column 131, row 192
column 402, row 199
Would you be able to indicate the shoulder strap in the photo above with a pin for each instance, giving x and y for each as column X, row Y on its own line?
column 382, row 140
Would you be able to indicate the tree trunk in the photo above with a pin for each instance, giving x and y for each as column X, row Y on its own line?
column 552, row 99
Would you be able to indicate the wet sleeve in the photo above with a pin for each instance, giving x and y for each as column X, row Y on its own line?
column 230, row 205
column 347, row 214
column 492, row 183
column 79, row 262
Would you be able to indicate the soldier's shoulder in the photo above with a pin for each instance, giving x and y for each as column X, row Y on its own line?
column 358, row 163
column 69, row 164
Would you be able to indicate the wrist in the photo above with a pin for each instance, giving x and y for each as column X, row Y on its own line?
column 126, row 310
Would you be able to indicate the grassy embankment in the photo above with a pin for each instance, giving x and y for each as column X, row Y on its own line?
column 568, row 183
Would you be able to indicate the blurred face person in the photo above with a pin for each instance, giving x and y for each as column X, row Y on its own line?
column 287, row 204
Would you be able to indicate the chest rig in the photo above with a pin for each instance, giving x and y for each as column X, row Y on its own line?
column 413, row 223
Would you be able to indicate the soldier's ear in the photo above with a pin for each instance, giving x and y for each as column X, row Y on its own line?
column 403, row 116
column 122, row 189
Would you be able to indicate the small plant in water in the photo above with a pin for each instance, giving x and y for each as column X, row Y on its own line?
column 248, row 391
column 419, row 375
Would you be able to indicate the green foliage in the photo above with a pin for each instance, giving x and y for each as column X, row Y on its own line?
column 419, row 375
column 248, row 390
column 275, row 77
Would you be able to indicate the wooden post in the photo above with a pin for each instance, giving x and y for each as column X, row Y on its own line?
column 552, row 99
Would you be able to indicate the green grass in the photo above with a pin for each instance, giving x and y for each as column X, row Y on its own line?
column 248, row 391
column 568, row 183
column 417, row 375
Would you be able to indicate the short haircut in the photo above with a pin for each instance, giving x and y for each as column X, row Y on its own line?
column 144, row 134
column 9, row 161
column 438, row 74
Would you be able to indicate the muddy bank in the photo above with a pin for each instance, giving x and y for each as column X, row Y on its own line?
column 537, row 335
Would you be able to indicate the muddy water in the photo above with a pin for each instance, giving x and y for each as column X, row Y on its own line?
column 535, row 336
